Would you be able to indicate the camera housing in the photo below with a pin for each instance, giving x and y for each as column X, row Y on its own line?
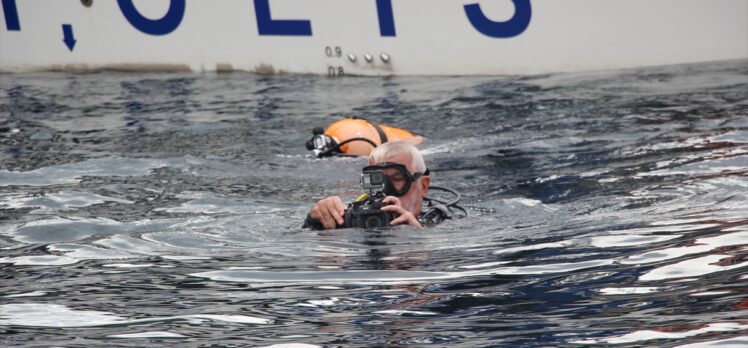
column 367, row 213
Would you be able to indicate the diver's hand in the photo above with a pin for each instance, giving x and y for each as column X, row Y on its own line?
column 329, row 211
column 404, row 217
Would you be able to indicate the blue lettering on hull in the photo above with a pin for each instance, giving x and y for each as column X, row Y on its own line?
column 266, row 25
column 68, row 37
column 386, row 18
column 513, row 27
column 162, row 26
column 11, row 15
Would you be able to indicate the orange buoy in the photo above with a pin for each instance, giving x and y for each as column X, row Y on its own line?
column 356, row 137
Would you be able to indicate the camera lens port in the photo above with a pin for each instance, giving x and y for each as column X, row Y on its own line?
column 373, row 222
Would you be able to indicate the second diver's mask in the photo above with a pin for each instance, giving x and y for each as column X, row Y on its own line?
column 393, row 179
column 321, row 144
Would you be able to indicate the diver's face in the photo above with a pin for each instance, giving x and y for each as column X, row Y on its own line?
column 413, row 199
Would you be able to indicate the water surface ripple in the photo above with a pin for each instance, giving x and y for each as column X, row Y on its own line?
column 608, row 208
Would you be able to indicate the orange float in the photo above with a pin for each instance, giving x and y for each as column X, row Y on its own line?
column 356, row 137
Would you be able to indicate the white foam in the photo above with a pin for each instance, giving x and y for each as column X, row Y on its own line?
column 733, row 136
column 27, row 294
column 698, row 246
column 528, row 202
column 55, row 315
column 710, row 293
column 291, row 345
column 664, row 228
column 242, row 319
column 664, row 254
column 594, row 172
column 697, row 267
column 682, row 222
column 629, row 291
column 546, row 179
column 129, row 265
column 39, row 260
column 648, row 335
column 723, row 240
column 332, row 301
column 405, row 312
column 72, row 172
column 149, row 334
column 704, row 168
column 383, row 276
column 608, row 180
column 735, row 342
column 184, row 257
column 484, row 265
column 58, row 229
column 534, row 247
column 58, row 200
column 89, row 252
column 628, row 240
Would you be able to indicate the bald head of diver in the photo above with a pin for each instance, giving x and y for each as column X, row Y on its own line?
column 408, row 184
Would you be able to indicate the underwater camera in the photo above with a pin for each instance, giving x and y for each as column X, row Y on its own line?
column 366, row 212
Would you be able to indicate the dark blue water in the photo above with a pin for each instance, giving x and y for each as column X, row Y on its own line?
column 165, row 209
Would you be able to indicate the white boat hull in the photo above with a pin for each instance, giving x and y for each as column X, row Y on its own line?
column 402, row 37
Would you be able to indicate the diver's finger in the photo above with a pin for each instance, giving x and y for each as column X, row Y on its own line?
column 331, row 222
column 323, row 214
column 394, row 209
column 326, row 220
column 339, row 205
column 406, row 218
column 326, row 224
column 392, row 200
column 334, row 214
column 400, row 220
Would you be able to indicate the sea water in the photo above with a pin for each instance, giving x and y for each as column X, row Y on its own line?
column 165, row 209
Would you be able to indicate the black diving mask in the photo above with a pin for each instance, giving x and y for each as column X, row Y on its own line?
column 321, row 144
column 395, row 177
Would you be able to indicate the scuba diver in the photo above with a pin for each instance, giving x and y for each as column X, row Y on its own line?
column 356, row 137
column 398, row 181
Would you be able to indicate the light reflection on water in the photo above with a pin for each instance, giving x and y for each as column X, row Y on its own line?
column 607, row 208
